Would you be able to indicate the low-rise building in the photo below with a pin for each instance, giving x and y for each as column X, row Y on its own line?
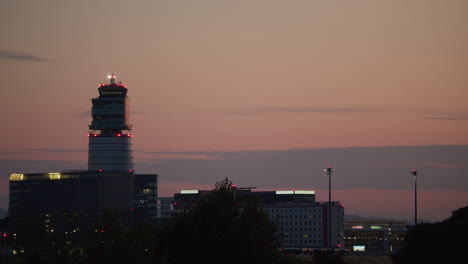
column 374, row 237
column 303, row 222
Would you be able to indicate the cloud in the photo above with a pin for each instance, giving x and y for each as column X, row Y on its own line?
column 56, row 150
column 442, row 177
column 417, row 113
column 452, row 118
column 41, row 150
column 44, row 154
column 441, row 167
column 22, row 56
column 157, row 156
column 306, row 110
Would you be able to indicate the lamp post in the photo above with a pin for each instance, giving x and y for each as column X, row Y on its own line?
column 415, row 174
column 329, row 172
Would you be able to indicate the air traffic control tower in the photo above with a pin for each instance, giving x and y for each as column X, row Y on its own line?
column 73, row 200
column 110, row 138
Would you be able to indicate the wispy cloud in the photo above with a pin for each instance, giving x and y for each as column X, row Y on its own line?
column 22, row 56
column 447, row 118
column 167, row 155
column 417, row 113
column 39, row 153
column 56, row 150
column 357, row 167
column 313, row 110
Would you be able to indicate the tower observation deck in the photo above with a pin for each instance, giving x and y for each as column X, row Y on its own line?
column 110, row 138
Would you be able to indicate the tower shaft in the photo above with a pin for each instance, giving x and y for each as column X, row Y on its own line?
column 110, row 138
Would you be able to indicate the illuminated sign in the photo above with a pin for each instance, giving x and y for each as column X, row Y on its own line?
column 304, row 192
column 359, row 248
column 54, row 175
column 16, row 177
column 357, row 227
column 188, row 191
column 376, row 227
column 284, row 192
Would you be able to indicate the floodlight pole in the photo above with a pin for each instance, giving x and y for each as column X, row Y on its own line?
column 415, row 173
column 329, row 173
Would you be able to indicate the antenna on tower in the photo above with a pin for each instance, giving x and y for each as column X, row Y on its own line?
column 112, row 78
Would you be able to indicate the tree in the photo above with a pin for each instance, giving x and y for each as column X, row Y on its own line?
column 112, row 242
column 223, row 229
column 444, row 242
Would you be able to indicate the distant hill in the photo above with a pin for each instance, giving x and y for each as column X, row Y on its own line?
column 3, row 213
column 359, row 218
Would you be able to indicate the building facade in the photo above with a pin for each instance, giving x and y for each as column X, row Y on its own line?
column 165, row 207
column 302, row 221
column 145, row 197
column 68, row 200
column 305, row 226
column 374, row 237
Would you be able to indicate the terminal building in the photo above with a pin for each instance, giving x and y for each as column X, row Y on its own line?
column 72, row 200
column 374, row 237
column 303, row 221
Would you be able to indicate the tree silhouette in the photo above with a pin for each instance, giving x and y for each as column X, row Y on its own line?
column 444, row 242
column 222, row 229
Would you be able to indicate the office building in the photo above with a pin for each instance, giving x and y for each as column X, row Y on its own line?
column 70, row 200
column 145, row 197
column 302, row 221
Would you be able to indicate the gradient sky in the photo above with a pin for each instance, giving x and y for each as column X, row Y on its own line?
column 249, row 89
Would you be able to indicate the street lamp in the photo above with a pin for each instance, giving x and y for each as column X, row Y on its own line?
column 329, row 172
column 415, row 174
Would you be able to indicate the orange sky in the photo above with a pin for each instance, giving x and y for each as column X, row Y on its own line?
column 237, row 75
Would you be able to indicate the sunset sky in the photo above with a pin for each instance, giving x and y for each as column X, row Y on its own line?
column 265, row 92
